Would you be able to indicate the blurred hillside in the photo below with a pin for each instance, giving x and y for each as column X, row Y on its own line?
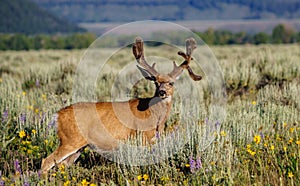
column 24, row 16
column 131, row 10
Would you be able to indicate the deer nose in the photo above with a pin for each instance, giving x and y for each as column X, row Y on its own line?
column 162, row 93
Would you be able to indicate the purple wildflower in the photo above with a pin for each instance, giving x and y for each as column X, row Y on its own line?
column 192, row 164
column 261, row 135
column 37, row 83
column 53, row 121
column 206, row 120
column 217, row 124
column 198, row 163
column 17, row 167
column 26, row 183
column 39, row 173
column 157, row 135
column 5, row 115
column 23, row 117
column 2, row 183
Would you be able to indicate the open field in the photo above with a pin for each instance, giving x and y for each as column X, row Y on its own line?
column 258, row 143
column 248, row 26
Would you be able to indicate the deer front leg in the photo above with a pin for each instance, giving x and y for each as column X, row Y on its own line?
column 64, row 154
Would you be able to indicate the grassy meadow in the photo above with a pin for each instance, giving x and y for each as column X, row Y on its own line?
column 258, row 143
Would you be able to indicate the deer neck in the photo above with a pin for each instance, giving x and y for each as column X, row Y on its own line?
column 154, row 103
column 157, row 108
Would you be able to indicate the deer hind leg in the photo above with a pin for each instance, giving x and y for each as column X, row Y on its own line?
column 64, row 154
column 72, row 158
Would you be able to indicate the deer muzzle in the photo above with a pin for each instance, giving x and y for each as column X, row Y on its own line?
column 162, row 93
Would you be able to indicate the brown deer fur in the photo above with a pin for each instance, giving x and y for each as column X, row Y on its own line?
column 102, row 124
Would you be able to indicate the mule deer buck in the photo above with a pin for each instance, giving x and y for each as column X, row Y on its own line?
column 99, row 124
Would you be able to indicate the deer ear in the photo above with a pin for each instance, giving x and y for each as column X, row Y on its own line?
column 146, row 74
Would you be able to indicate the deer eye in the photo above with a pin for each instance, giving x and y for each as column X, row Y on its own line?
column 171, row 83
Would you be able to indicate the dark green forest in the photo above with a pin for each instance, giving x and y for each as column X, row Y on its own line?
column 24, row 16
column 281, row 34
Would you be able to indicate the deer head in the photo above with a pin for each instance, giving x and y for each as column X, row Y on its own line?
column 164, row 82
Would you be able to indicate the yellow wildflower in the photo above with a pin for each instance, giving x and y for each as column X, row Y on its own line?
column 257, row 139
column 92, row 184
column 165, row 179
column 84, row 182
column 253, row 102
column 292, row 129
column 36, row 110
column 278, row 138
column 291, row 140
column 54, row 174
column 29, row 151
column 24, row 93
column 298, row 142
column 223, row 133
column 145, row 176
column 44, row 96
column 213, row 177
column 33, row 131
column 66, row 183
column 290, row 175
column 62, row 168
column 248, row 146
column 139, row 177
column 284, row 148
column 22, row 134
column 46, row 141
column 215, row 134
column 272, row 147
column 251, row 152
column 187, row 165
column 284, row 124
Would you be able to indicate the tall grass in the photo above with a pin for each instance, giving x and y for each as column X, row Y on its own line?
column 258, row 143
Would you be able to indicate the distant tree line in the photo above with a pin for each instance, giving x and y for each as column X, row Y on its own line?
column 280, row 34
column 36, row 42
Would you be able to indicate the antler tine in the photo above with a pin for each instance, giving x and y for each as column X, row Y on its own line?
column 138, row 52
column 191, row 45
column 194, row 76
